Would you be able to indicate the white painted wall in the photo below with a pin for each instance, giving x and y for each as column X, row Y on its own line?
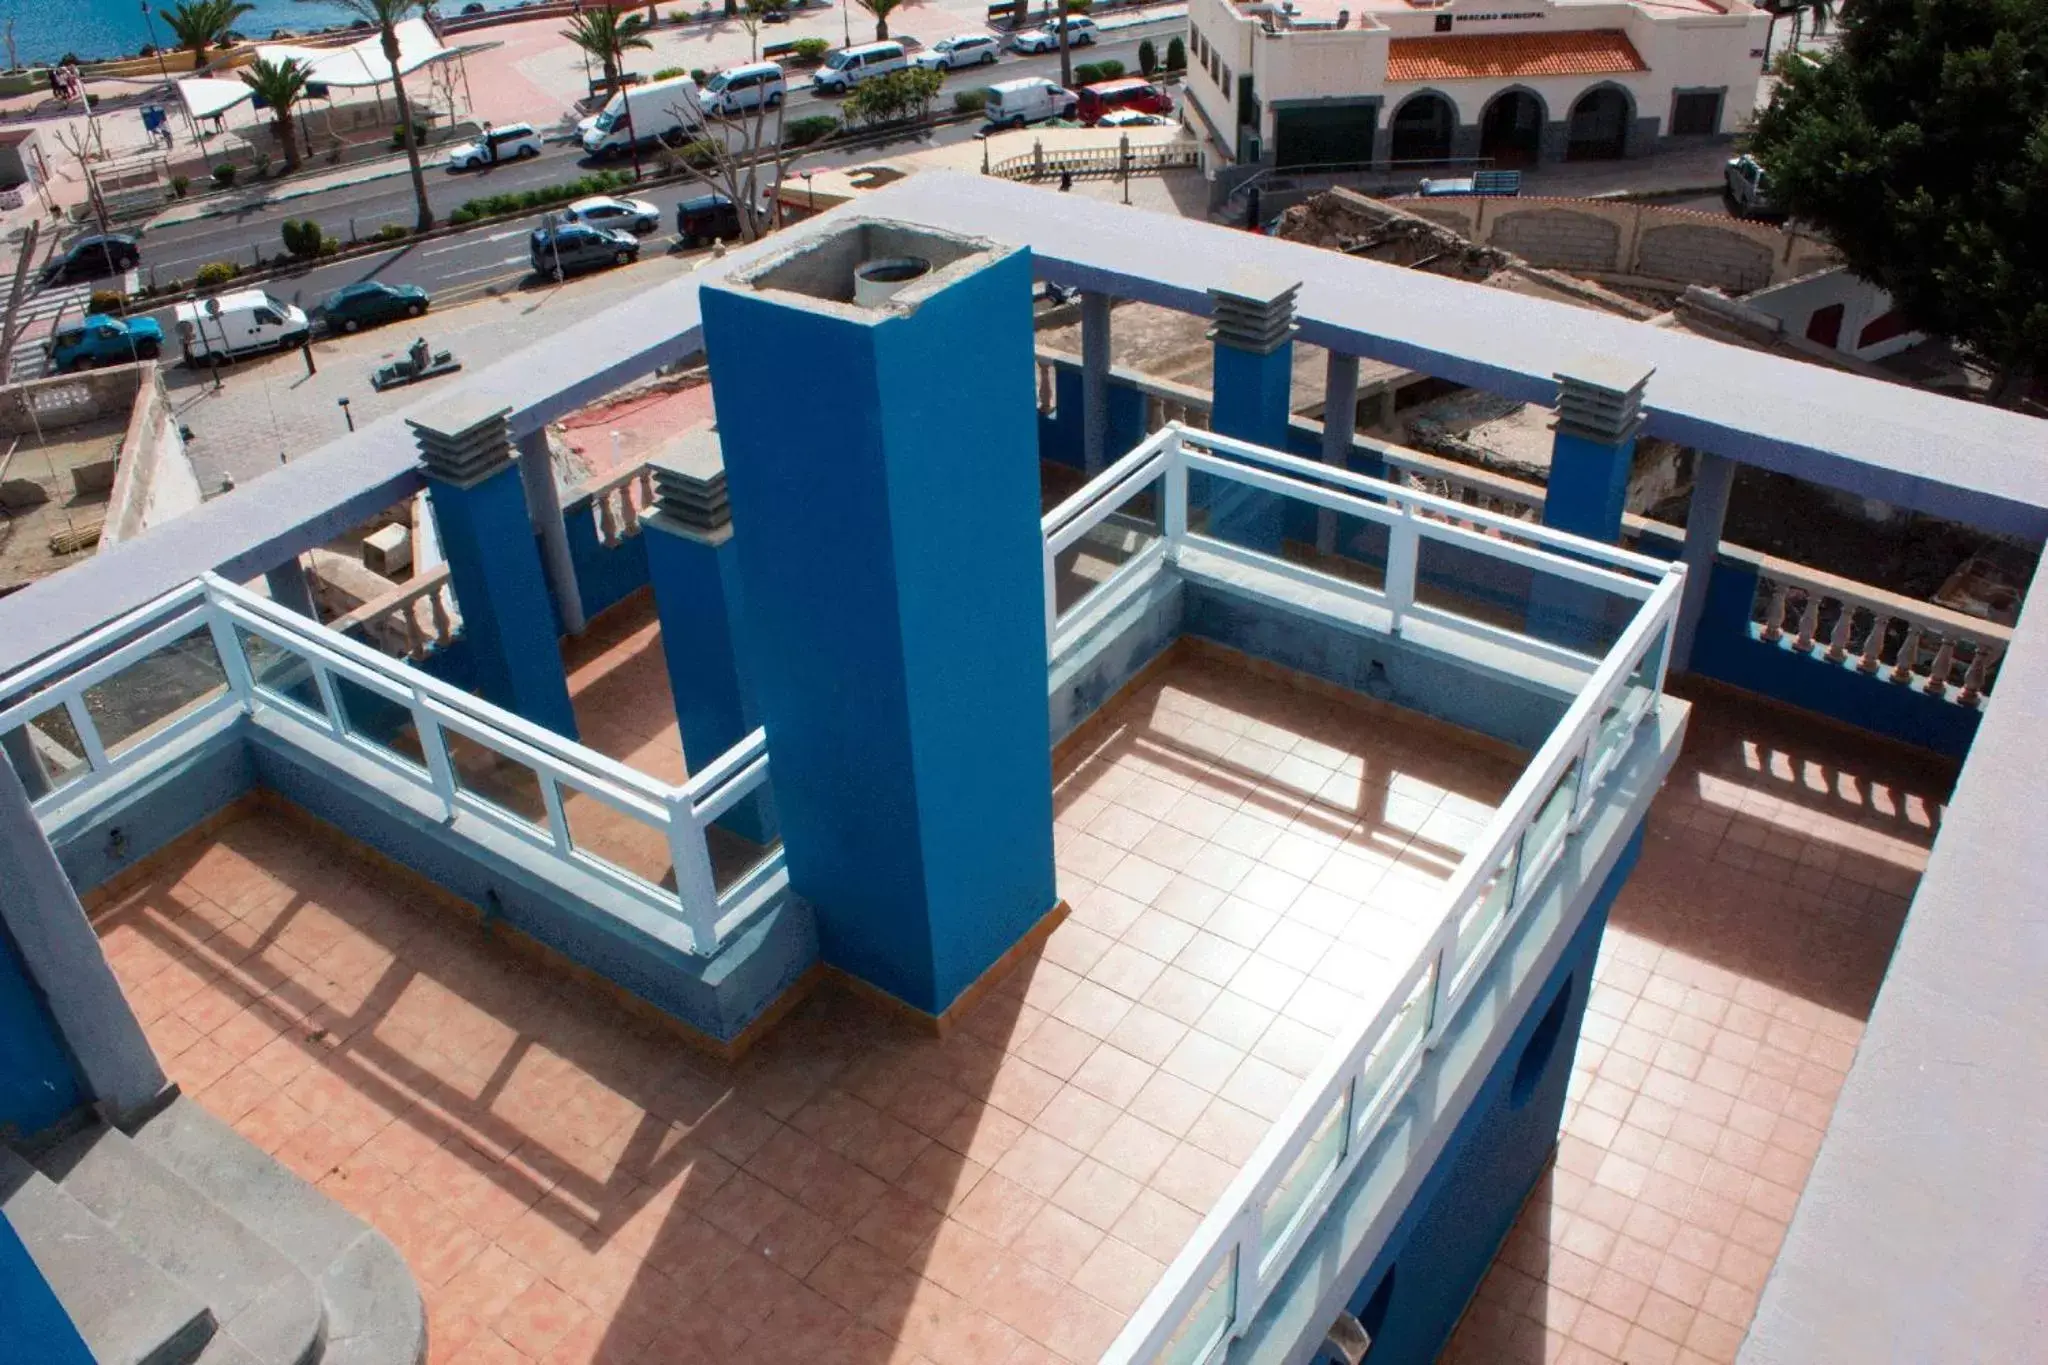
column 1796, row 301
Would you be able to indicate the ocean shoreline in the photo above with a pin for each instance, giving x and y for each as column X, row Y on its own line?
column 119, row 32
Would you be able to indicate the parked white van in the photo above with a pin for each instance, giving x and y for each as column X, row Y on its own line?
column 849, row 66
column 1032, row 99
column 744, row 88
column 245, row 322
column 659, row 111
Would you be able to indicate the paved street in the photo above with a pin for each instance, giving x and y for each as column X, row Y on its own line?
column 176, row 251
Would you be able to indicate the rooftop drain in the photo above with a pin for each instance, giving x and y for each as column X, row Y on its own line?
column 872, row 265
column 689, row 483
column 879, row 281
column 1601, row 399
column 465, row 440
column 1254, row 312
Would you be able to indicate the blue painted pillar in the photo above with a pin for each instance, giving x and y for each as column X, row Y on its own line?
column 1340, row 430
column 1599, row 412
column 479, row 506
column 67, row 1035
column 1713, row 484
column 1094, row 381
column 693, row 566
column 894, row 587
column 1254, row 394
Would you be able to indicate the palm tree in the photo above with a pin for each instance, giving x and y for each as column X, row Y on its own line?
column 201, row 24
column 881, row 9
column 607, row 35
column 385, row 16
column 279, row 85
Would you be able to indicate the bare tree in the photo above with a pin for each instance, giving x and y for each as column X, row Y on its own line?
column 754, row 13
column 739, row 155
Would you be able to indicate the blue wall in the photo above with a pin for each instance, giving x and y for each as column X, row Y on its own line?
column 38, row 1085
column 1447, row 1237
column 604, row 577
column 34, row 1328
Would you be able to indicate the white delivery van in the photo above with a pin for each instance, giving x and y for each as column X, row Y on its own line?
column 245, row 322
column 659, row 111
column 744, row 88
column 849, row 66
column 1033, row 99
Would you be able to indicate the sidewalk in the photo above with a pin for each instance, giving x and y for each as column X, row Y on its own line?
column 298, row 186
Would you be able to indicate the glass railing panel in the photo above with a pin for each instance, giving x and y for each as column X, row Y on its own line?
column 1089, row 562
column 46, row 750
column 1312, row 1166
column 628, row 842
column 280, row 674
column 379, row 721
column 140, row 700
column 495, row 779
column 1205, row 1323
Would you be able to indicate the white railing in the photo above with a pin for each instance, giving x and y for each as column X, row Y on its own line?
column 1928, row 648
column 156, row 677
column 1216, row 1286
column 1462, row 484
column 1411, row 518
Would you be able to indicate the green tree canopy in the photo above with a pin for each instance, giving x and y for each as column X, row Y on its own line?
column 200, row 24
column 279, row 85
column 1921, row 148
column 608, row 35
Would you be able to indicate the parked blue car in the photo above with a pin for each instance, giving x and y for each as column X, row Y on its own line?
column 105, row 340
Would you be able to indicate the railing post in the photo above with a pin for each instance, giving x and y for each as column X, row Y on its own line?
column 228, row 646
column 88, row 731
column 1403, row 553
column 1909, row 655
column 1052, row 598
column 1774, row 615
column 1982, row 657
column 1838, row 640
column 1809, row 622
column 434, row 748
column 1173, row 518
column 696, row 888
column 1944, row 665
column 1873, row 643
column 330, row 701
column 558, row 819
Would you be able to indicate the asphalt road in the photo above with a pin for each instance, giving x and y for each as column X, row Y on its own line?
column 359, row 210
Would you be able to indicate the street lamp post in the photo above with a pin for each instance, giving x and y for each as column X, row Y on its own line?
column 160, row 65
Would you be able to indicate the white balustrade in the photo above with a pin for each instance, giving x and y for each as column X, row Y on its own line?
column 618, row 502
column 410, row 622
column 239, row 653
column 1929, row 648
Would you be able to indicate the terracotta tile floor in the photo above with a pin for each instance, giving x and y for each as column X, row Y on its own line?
column 570, row 1184
column 1741, row 962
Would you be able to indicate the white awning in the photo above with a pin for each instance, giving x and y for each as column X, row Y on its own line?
column 205, row 96
column 363, row 62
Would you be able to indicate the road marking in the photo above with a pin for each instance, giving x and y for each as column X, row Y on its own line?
column 479, row 269
column 461, row 245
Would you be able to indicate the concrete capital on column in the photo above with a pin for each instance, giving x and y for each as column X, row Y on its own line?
column 1600, row 399
column 689, row 487
column 1254, row 312
column 465, row 440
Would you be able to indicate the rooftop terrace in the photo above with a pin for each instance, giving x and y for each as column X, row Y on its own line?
column 1307, row 909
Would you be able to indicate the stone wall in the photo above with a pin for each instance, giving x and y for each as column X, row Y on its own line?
column 1646, row 243
column 44, row 405
column 154, row 480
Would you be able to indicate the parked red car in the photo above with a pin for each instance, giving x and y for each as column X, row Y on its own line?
column 1128, row 93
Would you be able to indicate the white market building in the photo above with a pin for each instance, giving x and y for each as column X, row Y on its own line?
column 1349, row 82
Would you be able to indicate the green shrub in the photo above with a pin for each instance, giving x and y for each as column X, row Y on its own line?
column 262, row 166
column 106, row 301
column 700, row 153
column 398, row 137
column 969, row 101
column 463, row 214
column 181, row 185
column 329, row 245
column 598, row 182
column 801, row 132
column 1148, row 57
column 1108, row 71
column 1087, row 73
column 669, row 73
column 224, row 174
column 214, row 274
column 301, row 237
column 809, row 50
column 392, row 232
column 699, row 74
column 1176, row 55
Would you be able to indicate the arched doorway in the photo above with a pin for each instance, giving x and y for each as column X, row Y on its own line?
column 1599, row 126
column 1511, row 129
column 1422, row 128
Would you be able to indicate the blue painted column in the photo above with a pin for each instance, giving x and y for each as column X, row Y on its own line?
column 894, row 586
column 479, row 505
column 1713, row 484
column 1599, row 412
column 1340, row 430
column 1095, row 354
column 693, row 566
column 1254, row 393
column 67, row 1036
